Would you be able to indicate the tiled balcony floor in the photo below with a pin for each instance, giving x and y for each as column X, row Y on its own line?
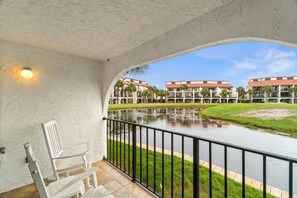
column 113, row 180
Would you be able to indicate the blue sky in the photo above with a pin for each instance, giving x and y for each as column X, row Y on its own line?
column 235, row 62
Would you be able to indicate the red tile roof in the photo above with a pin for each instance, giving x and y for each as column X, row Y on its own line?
column 272, row 83
column 196, row 85
column 136, row 83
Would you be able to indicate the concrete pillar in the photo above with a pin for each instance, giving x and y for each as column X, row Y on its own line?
column 279, row 94
column 293, row 96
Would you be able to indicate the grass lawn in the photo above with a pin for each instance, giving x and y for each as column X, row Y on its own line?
column 157, row 105
column 234, row 188
column 230, row 112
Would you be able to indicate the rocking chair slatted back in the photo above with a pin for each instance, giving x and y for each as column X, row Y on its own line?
column 53, row 141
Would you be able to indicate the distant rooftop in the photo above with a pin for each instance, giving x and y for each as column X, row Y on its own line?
column 273, row 81
column 199, row 83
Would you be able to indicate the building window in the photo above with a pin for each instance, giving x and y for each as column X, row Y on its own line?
column 279, row 78
column 290, row 78
column 204, row 82
column 188, row 82
column 219, row 82
column 173, row 83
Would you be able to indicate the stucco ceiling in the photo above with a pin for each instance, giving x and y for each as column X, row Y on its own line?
column 97, row 29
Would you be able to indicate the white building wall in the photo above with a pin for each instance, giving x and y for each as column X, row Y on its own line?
column 66, row 88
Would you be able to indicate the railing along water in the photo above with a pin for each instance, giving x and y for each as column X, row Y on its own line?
column 138, row 160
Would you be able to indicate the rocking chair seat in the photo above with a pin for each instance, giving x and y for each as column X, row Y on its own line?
column 69, row 163
column 55, row 187
column 99, row 192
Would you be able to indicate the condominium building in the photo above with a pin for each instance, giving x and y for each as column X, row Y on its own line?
column 280, row 88
column 193, row 93
column 122, row 96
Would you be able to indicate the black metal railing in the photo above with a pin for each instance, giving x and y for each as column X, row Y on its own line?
column 140, row 159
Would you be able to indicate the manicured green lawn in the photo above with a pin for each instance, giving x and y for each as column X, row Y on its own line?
column 230, row 112
column 157, row 105
column 234, row 188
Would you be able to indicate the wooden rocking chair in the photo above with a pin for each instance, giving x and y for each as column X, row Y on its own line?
column 61, row 162
column 65, row 187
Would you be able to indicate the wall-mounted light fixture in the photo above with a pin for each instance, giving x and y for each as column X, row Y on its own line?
column 27, row 73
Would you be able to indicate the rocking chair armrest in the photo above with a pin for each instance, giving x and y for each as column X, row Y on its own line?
column 70, row 156
column 77, row 178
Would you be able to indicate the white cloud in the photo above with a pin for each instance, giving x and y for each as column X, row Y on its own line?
column 264, row 63
column 245, row 65
column 281, row 65
column 275, row 54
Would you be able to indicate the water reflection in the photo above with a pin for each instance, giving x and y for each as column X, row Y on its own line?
column 184, row 117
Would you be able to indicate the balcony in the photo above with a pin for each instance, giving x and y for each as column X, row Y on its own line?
column 117, row 184
column 166, row 163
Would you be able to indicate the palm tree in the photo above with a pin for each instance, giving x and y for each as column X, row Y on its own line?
column 130, row 88
column 162, row 93
column 240, row 90
column 138, row 70
column 146, row 93
column 224, row 93
column 204, row 92
column 250, row 92
column 119, row 85
column 184, row 87
column 154, row 91
column 266, row 89
column 293, row 91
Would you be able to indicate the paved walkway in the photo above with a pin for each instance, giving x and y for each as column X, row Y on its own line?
column 114, row 181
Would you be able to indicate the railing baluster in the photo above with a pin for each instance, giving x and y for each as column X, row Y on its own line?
column 117, row 158
column 183, row 166
column 225, row 171
column 195, row 168
column 264, row 176
column 107, row 132
column 113, row 142
column 210, row 170
column 134, row 152
column 109, row 141
column 243, row 173
column 121, row 145
column 129, row 150
column 154, row 160
column 172, row 165
column 140, row 133
column 163, row 164
column 124, row 147
column 147, row 159
column 290, row 179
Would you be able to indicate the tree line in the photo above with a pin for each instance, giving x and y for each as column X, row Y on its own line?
column 152, row 92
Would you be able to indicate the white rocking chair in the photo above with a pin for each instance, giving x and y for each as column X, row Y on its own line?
column 61, row 162
column 66, row 187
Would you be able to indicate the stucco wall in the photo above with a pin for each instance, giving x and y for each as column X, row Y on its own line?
column 64, row 87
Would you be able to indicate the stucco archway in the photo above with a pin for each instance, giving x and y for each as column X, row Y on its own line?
column 253, row 20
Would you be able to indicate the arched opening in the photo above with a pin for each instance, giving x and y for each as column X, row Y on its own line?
column 178, row 98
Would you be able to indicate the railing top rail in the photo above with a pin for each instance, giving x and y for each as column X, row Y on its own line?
column 255, row 151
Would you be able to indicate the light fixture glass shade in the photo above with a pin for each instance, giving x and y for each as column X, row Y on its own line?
column 27, row 73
